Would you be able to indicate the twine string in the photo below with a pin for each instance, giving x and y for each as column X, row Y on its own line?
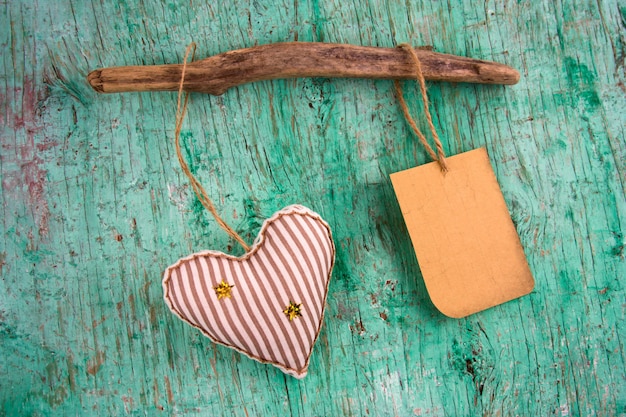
column 440, row 155
column 181, row 110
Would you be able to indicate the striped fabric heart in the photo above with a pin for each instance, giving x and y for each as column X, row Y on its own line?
column 269, row 303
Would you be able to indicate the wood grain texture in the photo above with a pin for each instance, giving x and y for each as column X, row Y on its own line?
column 94, row 206
column 216, row 74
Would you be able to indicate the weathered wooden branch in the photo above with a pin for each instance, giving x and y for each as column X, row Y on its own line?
column 216, row 74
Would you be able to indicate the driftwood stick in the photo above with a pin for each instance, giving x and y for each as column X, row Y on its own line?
column 216, row 74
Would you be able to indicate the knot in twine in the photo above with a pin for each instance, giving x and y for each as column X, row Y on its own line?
column 181, row 110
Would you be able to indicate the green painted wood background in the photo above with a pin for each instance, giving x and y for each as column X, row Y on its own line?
column 94, row 207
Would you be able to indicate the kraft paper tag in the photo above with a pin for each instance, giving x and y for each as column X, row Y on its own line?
column 466, row 244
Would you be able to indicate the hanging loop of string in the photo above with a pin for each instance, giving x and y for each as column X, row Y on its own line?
column 181, row 110
column 440, row 155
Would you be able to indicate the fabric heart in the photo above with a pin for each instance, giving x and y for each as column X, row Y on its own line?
column 267, row 304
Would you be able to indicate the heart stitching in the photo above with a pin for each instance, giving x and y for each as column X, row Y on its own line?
column 267, row 304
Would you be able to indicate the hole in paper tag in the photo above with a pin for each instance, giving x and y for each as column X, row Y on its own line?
column 466, row 244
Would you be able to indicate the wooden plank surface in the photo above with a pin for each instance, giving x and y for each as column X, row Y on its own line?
column 94, row 207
